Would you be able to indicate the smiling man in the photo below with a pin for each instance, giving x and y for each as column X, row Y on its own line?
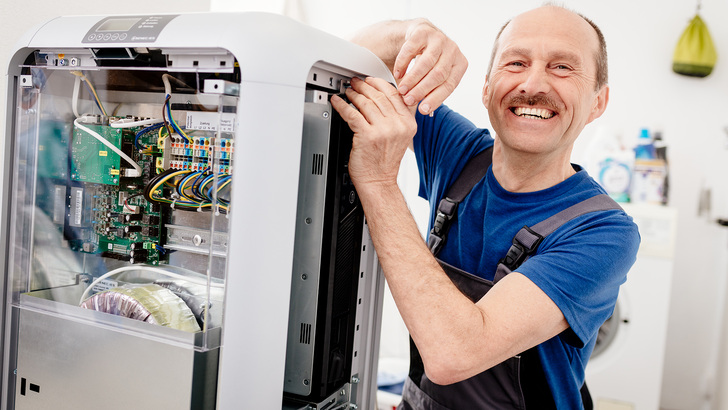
column 504, row 307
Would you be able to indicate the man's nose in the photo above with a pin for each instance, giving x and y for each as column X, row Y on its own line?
column 535, row 81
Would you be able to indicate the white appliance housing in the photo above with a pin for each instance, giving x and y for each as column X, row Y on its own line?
column 283, row 66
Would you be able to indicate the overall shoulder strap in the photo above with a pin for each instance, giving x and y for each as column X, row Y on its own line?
column 474, row 170
column 527, row 239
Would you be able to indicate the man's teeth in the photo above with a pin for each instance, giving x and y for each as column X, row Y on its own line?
column 533, row 112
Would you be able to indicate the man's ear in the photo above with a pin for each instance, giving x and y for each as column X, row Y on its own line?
column 600, row 104
column 486, row 89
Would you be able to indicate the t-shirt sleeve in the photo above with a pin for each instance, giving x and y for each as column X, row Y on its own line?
column 442, row 146
column 581, row 267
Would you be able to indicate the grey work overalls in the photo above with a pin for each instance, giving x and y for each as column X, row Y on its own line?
column 502, row 386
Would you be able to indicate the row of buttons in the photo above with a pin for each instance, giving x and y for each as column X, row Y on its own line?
column 107, row 37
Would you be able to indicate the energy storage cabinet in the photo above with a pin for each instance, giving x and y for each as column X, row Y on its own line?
column 178, row 225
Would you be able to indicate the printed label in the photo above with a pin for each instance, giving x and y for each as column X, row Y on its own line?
column 209, row 121
column 105, row 284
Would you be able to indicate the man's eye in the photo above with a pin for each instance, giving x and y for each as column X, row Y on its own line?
column 563, row 67
column 516, row 63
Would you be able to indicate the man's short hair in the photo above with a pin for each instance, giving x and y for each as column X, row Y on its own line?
column 601, row 55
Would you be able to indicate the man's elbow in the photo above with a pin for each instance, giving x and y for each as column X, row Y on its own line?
column 444, row 372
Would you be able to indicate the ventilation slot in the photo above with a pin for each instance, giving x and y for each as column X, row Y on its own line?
column 318, row 164
column 305, row 333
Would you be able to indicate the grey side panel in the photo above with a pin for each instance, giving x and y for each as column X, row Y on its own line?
column 61, row 360
column 307, row 249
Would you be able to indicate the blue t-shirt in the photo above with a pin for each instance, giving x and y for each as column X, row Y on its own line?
column 580, row 266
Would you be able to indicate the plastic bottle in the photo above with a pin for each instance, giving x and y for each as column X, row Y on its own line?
column 649, row 173
column 661, row 154
column 610, row 162
column 645, row 149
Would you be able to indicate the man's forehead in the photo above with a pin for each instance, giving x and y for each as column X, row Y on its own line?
column 548, row 23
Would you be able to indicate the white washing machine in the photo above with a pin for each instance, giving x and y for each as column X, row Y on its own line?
column 625, row 371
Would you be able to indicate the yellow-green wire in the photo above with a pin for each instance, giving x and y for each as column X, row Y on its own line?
column 187, row 201
column 93, row 90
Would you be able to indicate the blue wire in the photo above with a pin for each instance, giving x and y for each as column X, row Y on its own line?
column 182, row 182
column 144, row 131
column 93, row 97
column 196, row 185
column 173, row 124
column 219, row 182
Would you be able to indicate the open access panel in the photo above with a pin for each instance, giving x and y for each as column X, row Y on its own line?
column 179, row 227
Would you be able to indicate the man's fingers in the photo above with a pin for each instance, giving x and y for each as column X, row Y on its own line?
column 348, row 113
column 418, row 71
column 360, row 95
column 438, row 95
column 410, row 49
column 376, row 93
column 394, row 99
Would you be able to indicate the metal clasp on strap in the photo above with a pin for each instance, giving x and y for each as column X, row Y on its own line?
column 446, row 209
column 525, row 243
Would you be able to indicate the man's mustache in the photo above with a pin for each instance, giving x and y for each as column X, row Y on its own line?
column 530, row 100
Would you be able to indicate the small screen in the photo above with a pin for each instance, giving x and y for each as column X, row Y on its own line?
column 118, row 24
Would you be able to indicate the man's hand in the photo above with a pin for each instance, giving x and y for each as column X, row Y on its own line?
column 438, row 66
column 383, row 128
column 438, row 63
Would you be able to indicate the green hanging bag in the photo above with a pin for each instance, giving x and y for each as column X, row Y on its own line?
column 695, row 54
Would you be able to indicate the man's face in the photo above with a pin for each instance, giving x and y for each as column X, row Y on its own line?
column 541, row 91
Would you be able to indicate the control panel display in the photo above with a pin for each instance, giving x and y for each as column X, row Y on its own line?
column 131, row 29
column 118, row 24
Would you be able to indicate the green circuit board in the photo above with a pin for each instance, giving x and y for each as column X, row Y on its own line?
column 93, row 161
column 108, row 210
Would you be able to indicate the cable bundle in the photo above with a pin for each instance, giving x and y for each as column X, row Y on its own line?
column 191, row 190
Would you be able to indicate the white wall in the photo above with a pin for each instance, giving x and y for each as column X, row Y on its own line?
column 641, row 36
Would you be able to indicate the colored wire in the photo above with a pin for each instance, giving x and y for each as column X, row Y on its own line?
column 83, row 77
column 196, row 185
column 189, row 190
column 164, row 115
column 176, row 127
column 181, row 186
column 144, row 131
column 168, row 106
column 126, row 202
column 159, row 180
column 221, row 183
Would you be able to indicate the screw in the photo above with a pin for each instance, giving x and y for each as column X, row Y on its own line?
column 353, row 406
column 306, row 382
column 342, row 393
column 308, row 221
column 74, row 61
column 197, row 240
column 354, row 379
column 304, row 276
column 325, row 114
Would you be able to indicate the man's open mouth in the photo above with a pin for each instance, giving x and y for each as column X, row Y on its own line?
column 537, row 113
